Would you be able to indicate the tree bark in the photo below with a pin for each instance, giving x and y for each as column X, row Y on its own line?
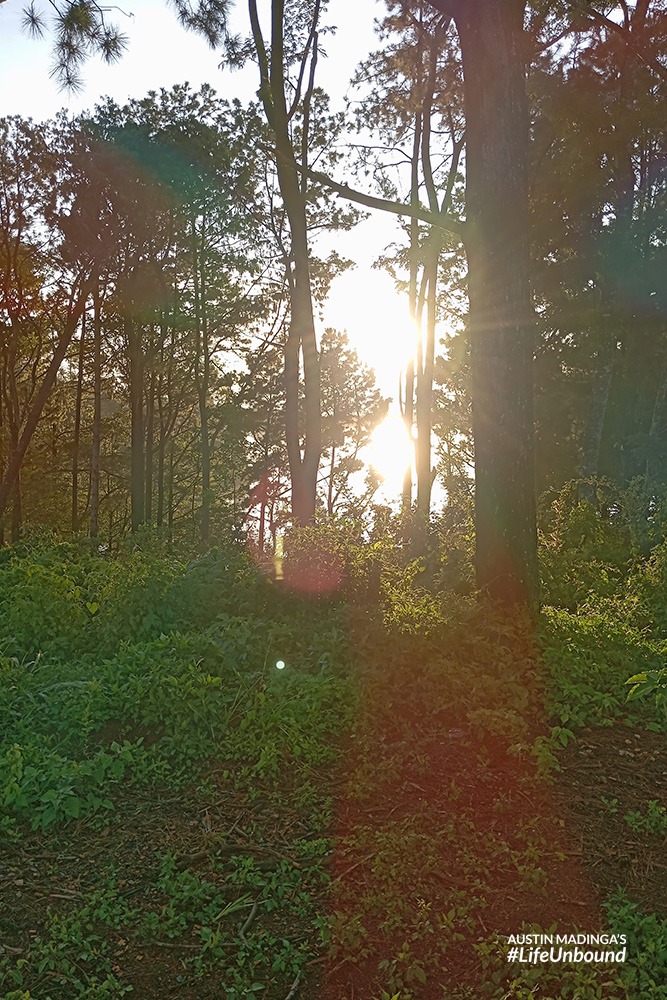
column 136, row 387
column 202, row 379
column 150, row 434
column 17, row 511
column 170, row 496
column 425, row 400
column 408, row 407
column 162, row 390
column 77, row 427
column 500, row 317
column 97, row 415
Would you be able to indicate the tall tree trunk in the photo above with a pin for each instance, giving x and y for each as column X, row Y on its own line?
column 330, row 490
column 17, row 511
column 428, row 297
column 428, row 294
column 136, row 387
column 202, row 377
column 408, row 405
column 97, row 415
column 501, row 317
column 159, row 512
column 261, row 531
column 162, row 420
column 301, row 340
column 150, row 431
column 170, row 496
column 77, row 427
column 425, row 399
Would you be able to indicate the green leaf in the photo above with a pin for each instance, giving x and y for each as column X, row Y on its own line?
column 72, row 807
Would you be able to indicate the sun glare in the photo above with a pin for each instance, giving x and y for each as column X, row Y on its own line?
column 391, row 453
column 378, row 323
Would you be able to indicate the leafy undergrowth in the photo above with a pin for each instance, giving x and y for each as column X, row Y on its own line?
column 165, row 797
column 181, row 818
column 456, row 827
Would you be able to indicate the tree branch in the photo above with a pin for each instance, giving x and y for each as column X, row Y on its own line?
column 651, row 62
column 442, row 220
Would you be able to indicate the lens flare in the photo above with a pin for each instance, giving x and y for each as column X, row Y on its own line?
column 391, row 452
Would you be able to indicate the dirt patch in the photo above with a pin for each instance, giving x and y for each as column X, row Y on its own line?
column 462, row 839
column 610, row 773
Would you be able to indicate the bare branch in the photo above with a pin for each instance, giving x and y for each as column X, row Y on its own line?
column 442, row 220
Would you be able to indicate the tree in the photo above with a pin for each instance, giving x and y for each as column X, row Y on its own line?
column 301, row 345
column 181, row 172
column 82, row 28
column 45, row 283
column 599, row 248
column 493, row 54
column 413, row 100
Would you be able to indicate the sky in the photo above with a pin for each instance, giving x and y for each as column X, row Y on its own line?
column 160, row 54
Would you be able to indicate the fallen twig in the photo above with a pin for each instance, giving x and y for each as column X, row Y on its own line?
column 351, row 869
column 294, row 987
column 249, row 920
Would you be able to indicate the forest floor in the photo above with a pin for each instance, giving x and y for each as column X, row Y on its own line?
column 388, row 853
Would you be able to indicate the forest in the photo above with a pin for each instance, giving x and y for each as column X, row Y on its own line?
column 292, row 707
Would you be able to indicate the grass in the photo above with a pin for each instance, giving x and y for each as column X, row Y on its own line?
column 181, row 818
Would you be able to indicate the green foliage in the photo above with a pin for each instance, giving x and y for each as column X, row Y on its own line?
column 652, row 821
column 197, row 681
column 645, row 970
column 82, row 721
column 588, row 656
column 586, row 545
column 454, row 543
column 418, row 611
column 332, row 558
column 89, row 725
column 650, row 682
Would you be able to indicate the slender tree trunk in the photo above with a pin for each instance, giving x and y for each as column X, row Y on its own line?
column 97, row 415
column 159, row 512
column 330, row 491
column 77, row 428
column 136, row 387
column 301, row 340
column 425, row 400
column 261, row 531
column 408, row 414
column 428, row 297
column 170, row 496
column 408, row 407
column 162, row 440
column 150, row 427
column 202, row 378
column 17, row 511
column 39, row 400
column 501, row 318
